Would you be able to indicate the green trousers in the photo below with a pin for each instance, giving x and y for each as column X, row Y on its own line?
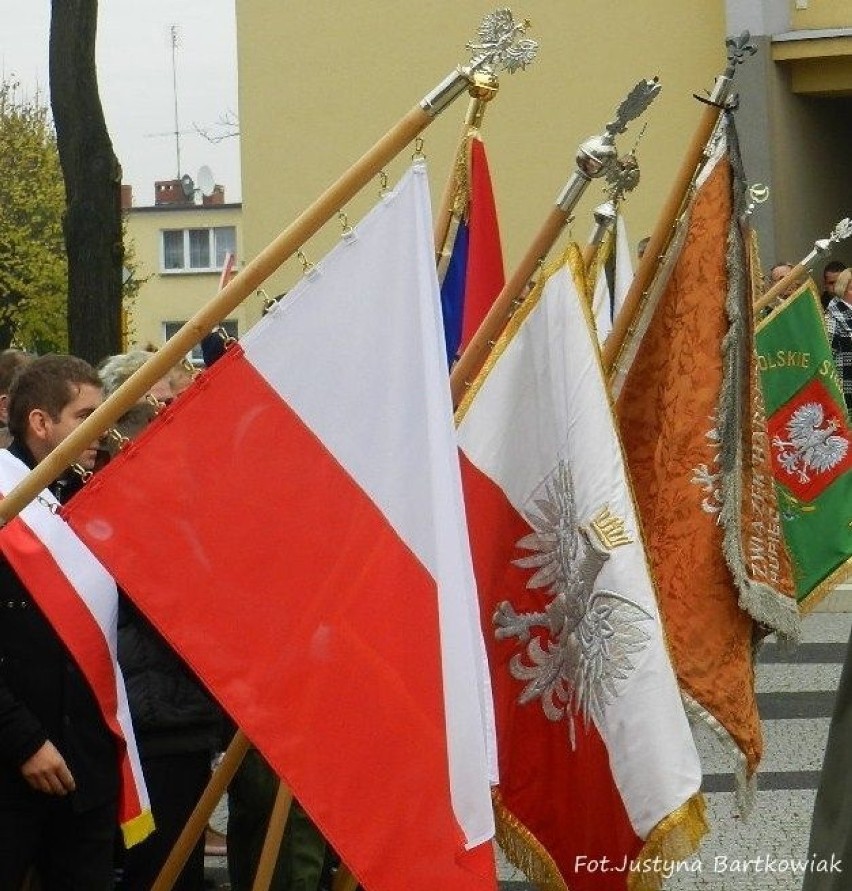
column 250, row 799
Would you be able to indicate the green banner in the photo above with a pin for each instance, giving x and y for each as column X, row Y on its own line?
column 809, row 441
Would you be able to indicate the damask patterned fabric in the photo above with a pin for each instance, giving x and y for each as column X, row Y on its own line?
column 667, row 411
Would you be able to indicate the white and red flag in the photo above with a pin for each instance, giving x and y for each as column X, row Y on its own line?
column 80, row 600
column 294, row 526
column 598, row 770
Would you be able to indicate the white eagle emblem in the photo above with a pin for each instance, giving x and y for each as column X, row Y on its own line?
column 593, row 633
column 812, row 444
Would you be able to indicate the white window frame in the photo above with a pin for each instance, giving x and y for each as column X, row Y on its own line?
column 186, row 269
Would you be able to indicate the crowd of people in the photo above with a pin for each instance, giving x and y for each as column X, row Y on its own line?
column 58, row 796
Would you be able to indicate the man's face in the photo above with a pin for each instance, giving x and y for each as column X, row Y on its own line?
column 829, row 278
column 48, row 433
column 778, row 272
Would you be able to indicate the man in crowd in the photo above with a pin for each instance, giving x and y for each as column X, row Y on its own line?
column 838, row 325
column 58, row 773
column 829, row 277
column 10, row 362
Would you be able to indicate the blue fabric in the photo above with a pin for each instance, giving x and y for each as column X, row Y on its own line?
column 452, row 293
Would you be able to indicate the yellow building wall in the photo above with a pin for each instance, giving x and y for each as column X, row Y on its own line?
column 168, row 297
column 822, row 14
column 322, row 80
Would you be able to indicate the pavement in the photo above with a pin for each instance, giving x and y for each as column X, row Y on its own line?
column 796, row 692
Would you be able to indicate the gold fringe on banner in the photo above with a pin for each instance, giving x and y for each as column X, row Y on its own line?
column 672, row 840
column 842, row 574
column 523, row 850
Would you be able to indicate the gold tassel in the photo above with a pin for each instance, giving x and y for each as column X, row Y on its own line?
column 673, row 839
column 840, row 575
column 523, row 850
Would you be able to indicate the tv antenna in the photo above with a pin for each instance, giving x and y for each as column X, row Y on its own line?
column 175, row 44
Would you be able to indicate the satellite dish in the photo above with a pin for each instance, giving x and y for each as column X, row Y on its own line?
column 187, row 185
column 206, row 182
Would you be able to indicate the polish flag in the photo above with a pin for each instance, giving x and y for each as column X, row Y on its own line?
column 294, row 526
column 80, row 601
column 598, row 769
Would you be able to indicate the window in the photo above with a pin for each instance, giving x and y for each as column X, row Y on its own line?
column 196, row 250
column 171, row 328
column 173, row 249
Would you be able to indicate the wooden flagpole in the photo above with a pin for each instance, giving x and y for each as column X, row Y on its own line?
column 502, row 49
column 822, row 248
column 200, row 816
column 274, row 834
column 482, row 90
column 505, row 50
column 595, row 158
column 474, row 356
column 792, row 279
column 655, row 251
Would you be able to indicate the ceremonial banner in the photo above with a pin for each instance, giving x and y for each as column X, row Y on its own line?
column 597, row 761
column 80, row 601
column 473, row 275
column 614, row 263
column 696, row 451
column 809, row 443
column 293, row 524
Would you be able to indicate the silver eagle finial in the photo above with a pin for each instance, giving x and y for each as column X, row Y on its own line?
column 825, row 245
column 597, row 156
column 500, row 45
column 636, row 103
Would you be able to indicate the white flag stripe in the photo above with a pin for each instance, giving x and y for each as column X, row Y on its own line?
column 601, row 305
column 395, row 437
column 623, row 266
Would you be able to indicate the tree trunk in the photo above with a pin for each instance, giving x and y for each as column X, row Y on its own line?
column 92, row 183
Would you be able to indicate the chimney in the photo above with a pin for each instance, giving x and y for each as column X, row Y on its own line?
column 126, row 196
column 217, row 196
column 170, row 191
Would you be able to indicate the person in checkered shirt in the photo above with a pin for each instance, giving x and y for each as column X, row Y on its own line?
column 838, row 324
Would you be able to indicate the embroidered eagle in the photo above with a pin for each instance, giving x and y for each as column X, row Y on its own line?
column 592, row 634
column 812, row 442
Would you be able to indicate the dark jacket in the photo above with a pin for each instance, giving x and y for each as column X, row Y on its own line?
column 172, row 713
column 43, row 695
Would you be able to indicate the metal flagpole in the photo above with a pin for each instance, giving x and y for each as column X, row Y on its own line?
column 658, row 242
column 595, row 157
column 622, row 178
column 804, row 268
column 500, row 44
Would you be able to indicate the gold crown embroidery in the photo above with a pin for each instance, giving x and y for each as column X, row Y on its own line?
column 610, row 529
